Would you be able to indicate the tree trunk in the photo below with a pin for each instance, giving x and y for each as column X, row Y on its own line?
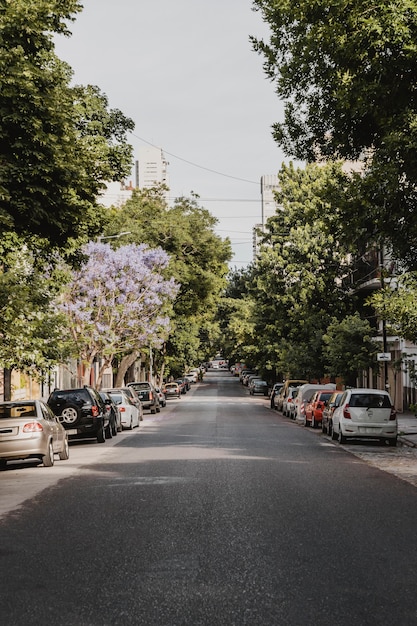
column 104, row 366
column 125, row 363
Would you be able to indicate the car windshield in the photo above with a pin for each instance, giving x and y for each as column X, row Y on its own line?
column 140, row 386
column 17, row 410
column 370, row 400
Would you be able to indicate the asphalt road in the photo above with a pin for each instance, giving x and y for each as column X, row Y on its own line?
column 216, row 512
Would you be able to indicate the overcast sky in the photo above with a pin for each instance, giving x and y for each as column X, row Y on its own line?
column 185, row 72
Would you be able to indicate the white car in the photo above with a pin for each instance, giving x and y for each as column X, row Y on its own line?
column 365, row 413
column 128, row 410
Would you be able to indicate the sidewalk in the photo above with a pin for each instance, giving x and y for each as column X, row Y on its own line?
column 407, row 429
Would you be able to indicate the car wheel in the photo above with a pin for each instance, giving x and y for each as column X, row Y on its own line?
column 334, row 435
column 305, row 422
column 114, row 428
column 48, row 458
column 330, row 429
column 70, row 414
column 313, row 422
column 341, row 438
column 101, row 435
column 153, row 411
column 64, row 454
column 3, row 464
column 392, row 442
column 108, row 433
column 130, row 427
column 158, row 409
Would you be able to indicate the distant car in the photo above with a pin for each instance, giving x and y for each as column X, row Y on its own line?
column 129, row 411
column 288, row 401
column 147, row 394
column 365, row 413
column 114, row 414
column 183, row 385
column 314, row 408
column 172, row 390
column 29, row 429
column 257, row 385
column 192, row 375
column 162, row 398
column 82, row 412
column 330, row 406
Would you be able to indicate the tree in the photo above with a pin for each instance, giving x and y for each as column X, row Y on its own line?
column 349, row 347
column 346, row 73
column 31, row 328
column 296, row 280
column 58, row 144
column 198, row 262
column 397, row 305
column 117, row 302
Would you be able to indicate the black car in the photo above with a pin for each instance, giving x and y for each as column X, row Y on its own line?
column 82, row 412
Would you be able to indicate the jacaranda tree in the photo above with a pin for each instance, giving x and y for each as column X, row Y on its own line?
column 117, row 302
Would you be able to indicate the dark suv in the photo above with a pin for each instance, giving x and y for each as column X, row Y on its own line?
column 148, row 396
column 82, row 412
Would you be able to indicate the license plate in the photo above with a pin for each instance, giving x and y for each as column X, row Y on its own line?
column 72, row 431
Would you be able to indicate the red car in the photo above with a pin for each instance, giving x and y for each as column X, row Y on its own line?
column 314, row 408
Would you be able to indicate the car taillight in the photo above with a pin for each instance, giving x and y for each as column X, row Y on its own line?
column 150, row 395
column 94, row 410
column 346, row 412
column 302, row 407
column 122, row 409
column 393, row 414
column 32, row 427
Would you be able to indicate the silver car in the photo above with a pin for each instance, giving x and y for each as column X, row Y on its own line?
column 29, row 429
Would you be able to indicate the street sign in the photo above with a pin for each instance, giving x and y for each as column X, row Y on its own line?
column 383, row 356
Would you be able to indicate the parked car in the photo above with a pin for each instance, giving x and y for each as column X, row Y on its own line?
column 365, row 413
column 279, row 399
column 330, row 406
column 314, row 408
column 128, row 409
column 275, row 389
column 172, row 390
column 288, row 401
column 182, row 384
column 161, row 396
column 245, row 373
column 304, row 395
column 114, row 414
column 257, row 385
column 82, row 412
column 135, row 398
column 147, row 394
column 248, row 379
column 29, row 429
column 192, row 376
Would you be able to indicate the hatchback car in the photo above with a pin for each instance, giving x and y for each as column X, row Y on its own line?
column 330, row 407
column 82, row 412
column 288, row 401
column 147, row 395
column 314, row 408
column 365, row 413
column 172, row 390
column 29, row 429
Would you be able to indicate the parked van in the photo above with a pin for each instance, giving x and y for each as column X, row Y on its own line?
column 304, row 395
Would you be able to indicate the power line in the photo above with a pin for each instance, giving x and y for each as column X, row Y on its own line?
column 201, row 167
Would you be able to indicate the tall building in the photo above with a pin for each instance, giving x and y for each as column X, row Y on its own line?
column 269, row 185
column 151, row 167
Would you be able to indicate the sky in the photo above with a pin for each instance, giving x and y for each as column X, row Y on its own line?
column 185, row 72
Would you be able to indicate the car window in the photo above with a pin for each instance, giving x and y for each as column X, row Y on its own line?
column 17, row 410
column 370, row 400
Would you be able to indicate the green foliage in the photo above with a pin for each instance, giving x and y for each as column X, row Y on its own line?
column 58, row 144
column 399, row 306
column 349, row 347
column 198, row 262
column 32, row 335
column 346, row 71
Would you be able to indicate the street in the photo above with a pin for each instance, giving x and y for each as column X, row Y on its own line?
column 217, row 511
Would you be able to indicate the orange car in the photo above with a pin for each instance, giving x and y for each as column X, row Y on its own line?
column 314, row 408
